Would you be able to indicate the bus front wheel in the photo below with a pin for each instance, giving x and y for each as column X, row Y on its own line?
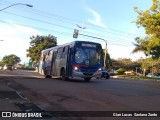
column 47, row 76
column 87, row 79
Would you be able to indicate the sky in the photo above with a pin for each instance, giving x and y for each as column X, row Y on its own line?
column 111, row 20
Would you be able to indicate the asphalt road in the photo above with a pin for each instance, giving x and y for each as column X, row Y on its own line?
column 77, row 95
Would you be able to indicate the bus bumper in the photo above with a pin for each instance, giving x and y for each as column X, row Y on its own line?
column 83, row 75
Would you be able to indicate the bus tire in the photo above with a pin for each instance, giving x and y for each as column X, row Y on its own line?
column 47, row 76
column 87, row 79
column 63, row 75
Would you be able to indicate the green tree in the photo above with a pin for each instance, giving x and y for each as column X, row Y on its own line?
column 39, row 43
column 1, row 63
column 150, row 21
column 11, row 59
column 140, row 45
column 120, row 71
column 125, row 63
column 148, row 64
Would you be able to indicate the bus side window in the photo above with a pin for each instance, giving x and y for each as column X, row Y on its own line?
column 63, row 49
column 60, row 52
column 54, row 55
column 44, row 57
column 65, row 52
column 49, row 53
column 66, row 49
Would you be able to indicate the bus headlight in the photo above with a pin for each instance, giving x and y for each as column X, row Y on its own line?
column 100, row 69
column 76, row 68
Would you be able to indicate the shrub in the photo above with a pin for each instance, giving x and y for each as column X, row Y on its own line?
column 120, row 71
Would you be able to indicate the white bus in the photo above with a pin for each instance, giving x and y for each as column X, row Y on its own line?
column 82, row 59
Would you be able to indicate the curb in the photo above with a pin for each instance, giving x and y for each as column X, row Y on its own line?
column 128, row 78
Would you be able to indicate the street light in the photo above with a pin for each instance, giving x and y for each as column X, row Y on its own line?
column 105, row 52
column 81, row 26
column 17, row 4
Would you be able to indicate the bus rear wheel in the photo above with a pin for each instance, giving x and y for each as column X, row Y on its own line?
column 47, row 76
column 87, row 79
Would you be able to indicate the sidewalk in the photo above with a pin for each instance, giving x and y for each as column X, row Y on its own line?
column 7, row 101
column 12, row 102
column 7, row 97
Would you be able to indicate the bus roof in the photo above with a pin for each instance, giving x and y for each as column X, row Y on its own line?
column 70, row 43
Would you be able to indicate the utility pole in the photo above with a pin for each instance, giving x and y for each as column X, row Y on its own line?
column 82, row 27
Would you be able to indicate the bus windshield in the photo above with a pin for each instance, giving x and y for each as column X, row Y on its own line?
column 87, row 56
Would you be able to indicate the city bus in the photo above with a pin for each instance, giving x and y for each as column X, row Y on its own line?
column 77, row 59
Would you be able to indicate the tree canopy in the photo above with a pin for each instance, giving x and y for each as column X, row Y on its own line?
column 11, row 59
column 150, row 21
column 39, row 43
column 125, row 63
column 150, row 65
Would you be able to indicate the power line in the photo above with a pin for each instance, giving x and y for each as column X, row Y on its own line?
column 111, row 42
column 39, row 28
column 62, row 18
column 53, row 24
column 57, row 24
column 108, row 37
column 59, row 32
column 38, row 20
